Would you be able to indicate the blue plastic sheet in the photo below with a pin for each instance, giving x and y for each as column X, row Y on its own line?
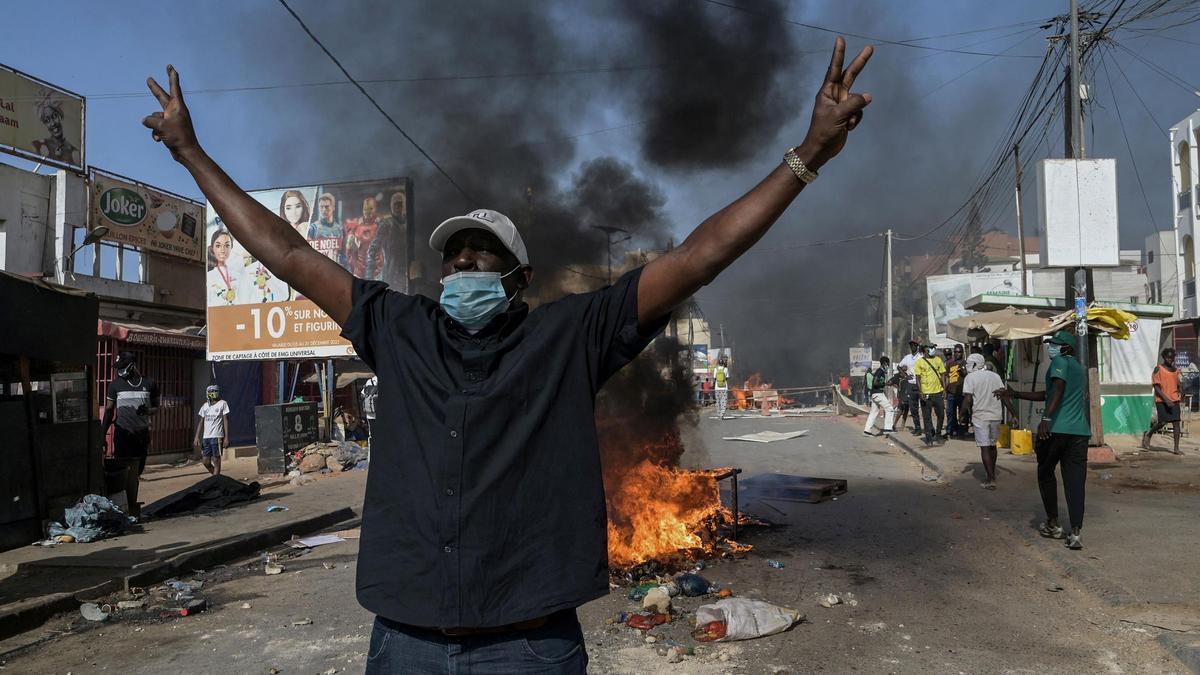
column 92, row 519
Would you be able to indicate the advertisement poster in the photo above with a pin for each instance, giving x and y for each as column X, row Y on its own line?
column 860, row 361
column 139, row 215
column 252, row 314
column 40, row 121
column 948, row 294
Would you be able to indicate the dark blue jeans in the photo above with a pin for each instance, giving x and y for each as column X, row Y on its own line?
column 554, row 649
column 953, row 402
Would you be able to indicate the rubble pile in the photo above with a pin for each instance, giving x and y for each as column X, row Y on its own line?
column 325, row 458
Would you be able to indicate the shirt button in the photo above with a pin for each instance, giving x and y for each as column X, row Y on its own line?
column 449, row 492
column 453, row 434
column 448, row 549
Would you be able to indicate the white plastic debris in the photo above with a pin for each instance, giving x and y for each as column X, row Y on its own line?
column 747, row 619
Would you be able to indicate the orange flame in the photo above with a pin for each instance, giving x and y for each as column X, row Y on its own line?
column 657, row 512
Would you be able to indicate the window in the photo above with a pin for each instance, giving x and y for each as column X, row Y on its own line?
column 1150, row 257
column 107, row 260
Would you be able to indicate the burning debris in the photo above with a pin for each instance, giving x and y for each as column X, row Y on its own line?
column 661, row 517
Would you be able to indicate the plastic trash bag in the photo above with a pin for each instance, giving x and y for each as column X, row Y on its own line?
column 747, row 619
column 93, row 518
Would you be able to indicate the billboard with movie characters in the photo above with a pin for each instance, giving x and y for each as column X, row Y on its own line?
column 363, row 226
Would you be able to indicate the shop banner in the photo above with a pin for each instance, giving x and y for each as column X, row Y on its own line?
column 948, row 293
column 40, row 121
column 254, row 315
column 151, row 219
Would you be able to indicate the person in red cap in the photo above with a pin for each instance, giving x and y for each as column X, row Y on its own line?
column 486, row 408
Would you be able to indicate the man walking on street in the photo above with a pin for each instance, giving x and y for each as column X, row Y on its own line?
column 132, row 399
column 1166, row 400
column 931, row 379
column 880, row 400
column 983, row 408
column 721, row 378
column 212, row 433
column 1062, row 436
column 487, row 406
column 909, row 365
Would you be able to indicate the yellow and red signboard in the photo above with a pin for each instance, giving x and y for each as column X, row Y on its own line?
column 252, row 314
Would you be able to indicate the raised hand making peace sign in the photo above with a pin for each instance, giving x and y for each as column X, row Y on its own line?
column 173, row 126
column 836, row 111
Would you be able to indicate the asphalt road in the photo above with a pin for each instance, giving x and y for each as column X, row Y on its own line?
column 940, row 587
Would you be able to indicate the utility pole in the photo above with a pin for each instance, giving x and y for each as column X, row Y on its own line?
column 1020, row 223
column 887, row 315
column 609, row 231
column 1082, row 289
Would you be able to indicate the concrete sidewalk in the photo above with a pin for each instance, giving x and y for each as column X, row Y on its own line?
column 1139, row 534
column 37, row 582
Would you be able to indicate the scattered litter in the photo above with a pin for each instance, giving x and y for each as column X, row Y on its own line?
column 131, row 604
column 64, row 539
column 675, row 654
column 329, row 566
column 650, row 639
column 647, row 621
column 302, row 479
column 302, row 622
column 193, row 607
column 709, row 632
column 692, row 585
column 1054, row 588
column 725, row 593
column 639, row 592
column 745, row 619
column 348, row 534
column 91, row 519
column 314, row 541
column 92, row 612
column 276, row 508
column 830, row 600
column 331, row 671
column 1105, row 476
column 767, row 436
column 657, row 600
column 271, row 564
column 776, row 564
column 246, row 605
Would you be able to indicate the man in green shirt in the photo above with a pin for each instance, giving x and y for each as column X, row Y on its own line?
column 1062, row 436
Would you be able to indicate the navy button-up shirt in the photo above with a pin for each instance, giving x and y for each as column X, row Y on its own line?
column 485, row 501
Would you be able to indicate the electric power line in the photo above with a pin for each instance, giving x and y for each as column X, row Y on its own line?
column 860, row 36
column 1128, row 145
column 376, row 103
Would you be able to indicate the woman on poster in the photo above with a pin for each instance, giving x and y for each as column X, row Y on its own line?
column 224, row 279
column 293, row 208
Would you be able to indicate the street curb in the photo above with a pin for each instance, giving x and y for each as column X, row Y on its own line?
column 1185, row 648
column 35, row 612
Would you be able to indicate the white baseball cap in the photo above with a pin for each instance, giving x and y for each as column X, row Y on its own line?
column 486, row 219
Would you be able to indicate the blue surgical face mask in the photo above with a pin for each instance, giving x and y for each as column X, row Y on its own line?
column 1054, row 350
column 475, row 298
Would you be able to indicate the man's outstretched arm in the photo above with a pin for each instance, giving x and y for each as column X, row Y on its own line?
column 265, row 235
column 728, row 233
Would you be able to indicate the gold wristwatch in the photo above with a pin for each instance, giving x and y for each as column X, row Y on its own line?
column 798, row 167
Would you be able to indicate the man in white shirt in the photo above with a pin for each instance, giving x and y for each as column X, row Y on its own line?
column 214, row 425
column 914, row 392
column 984, row 409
